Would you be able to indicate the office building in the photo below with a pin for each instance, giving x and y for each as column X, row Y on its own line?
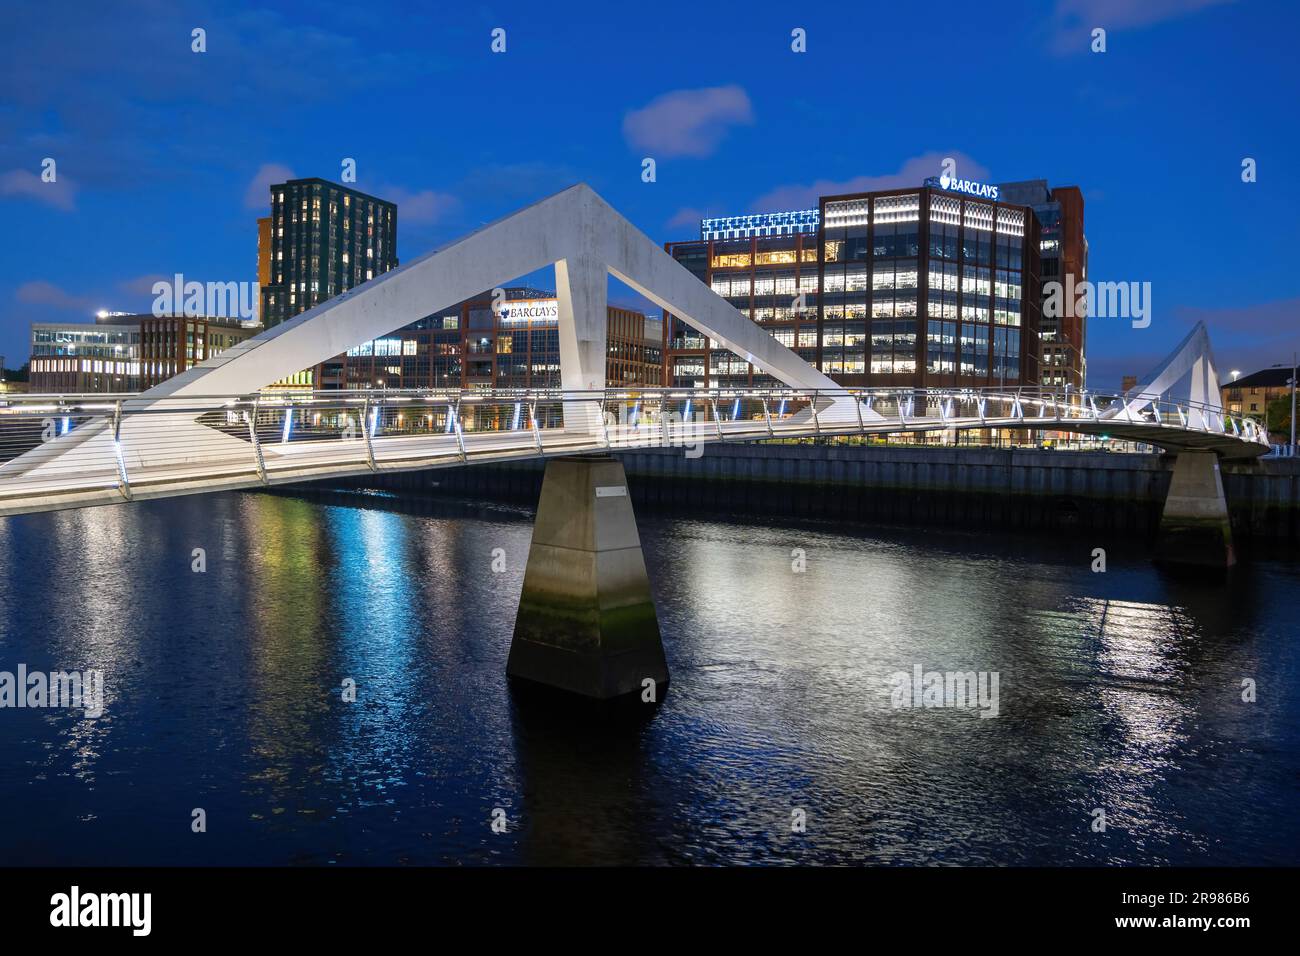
column 126, row 352
column 1063, row 251
column 170, row 344
column 920, row 287
column 80, row 357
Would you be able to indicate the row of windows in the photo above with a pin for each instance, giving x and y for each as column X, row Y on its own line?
column 97, row 366
column 77, row 337
column 890, row 274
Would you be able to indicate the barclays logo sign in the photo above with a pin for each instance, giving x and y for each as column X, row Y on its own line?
column 967, row 186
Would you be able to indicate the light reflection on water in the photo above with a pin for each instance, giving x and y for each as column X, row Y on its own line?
column 1119, row 691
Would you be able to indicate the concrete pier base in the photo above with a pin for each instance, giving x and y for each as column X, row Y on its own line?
column 586, row 621
column 1195, row 530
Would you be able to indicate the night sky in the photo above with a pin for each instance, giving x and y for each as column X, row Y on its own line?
column 163, row 155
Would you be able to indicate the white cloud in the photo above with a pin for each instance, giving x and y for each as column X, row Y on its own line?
column 1074, row 20
column 23, row 182
column 688, row 216
column 687, row 122
column 421, row 208
column 41, row 292
column 258, row 193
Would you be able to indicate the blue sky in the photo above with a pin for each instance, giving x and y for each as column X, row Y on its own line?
column 163, row 154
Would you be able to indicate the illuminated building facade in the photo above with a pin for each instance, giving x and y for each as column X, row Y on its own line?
column 924, row 287
column 126, row 352
column 472, row 345
column 170, row 344
column 324, row 239
column 1063, row 250
column 103, row 356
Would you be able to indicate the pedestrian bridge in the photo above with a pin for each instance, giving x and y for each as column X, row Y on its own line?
column 220, row 425
column 587, row 623
column 71, row 451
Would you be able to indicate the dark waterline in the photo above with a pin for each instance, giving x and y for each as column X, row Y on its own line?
column 1119, row 691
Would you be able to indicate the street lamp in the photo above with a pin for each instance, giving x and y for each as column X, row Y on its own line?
column 1292, row 384
column 1236, row 373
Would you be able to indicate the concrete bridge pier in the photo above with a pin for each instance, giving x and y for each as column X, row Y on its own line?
column 1195, row 530
column 586, row 622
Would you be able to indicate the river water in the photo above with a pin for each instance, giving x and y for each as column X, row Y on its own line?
column 1118, row 692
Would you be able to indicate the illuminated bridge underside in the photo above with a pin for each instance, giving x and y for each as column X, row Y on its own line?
column 252, row 441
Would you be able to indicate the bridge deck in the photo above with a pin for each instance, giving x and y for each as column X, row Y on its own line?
column 74, row 451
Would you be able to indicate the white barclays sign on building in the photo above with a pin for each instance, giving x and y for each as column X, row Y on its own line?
column 967, row 186
column 515, row 311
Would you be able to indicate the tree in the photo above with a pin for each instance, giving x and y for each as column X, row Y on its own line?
column 1279, row 415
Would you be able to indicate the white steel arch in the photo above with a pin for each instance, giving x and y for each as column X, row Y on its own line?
column 1189, row 375
column 575, row 230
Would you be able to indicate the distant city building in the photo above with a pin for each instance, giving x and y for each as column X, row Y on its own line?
column 101, row 356
column 917, row 287
column 264, row 254
column 1063, row 250
column 1251, row 394
column 126, row 352
column 325, row 240
column 635, row 348
column 322, row 240
column 761, row 224
column 470, row 345
column 171, row 344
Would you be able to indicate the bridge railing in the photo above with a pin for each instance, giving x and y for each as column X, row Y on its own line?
column 56, row 444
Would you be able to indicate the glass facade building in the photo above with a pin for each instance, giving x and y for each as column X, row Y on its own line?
column 125, row 352
column 1063, row 250
column 899, row 288
column 85, row 357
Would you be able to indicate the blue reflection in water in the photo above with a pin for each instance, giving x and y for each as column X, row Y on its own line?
column 225, row 691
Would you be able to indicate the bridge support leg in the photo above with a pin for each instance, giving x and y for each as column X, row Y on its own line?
column 1194, row 528
column 580, row 288
column 586, row 621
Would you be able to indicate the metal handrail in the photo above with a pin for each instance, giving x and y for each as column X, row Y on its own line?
column 50, row 444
